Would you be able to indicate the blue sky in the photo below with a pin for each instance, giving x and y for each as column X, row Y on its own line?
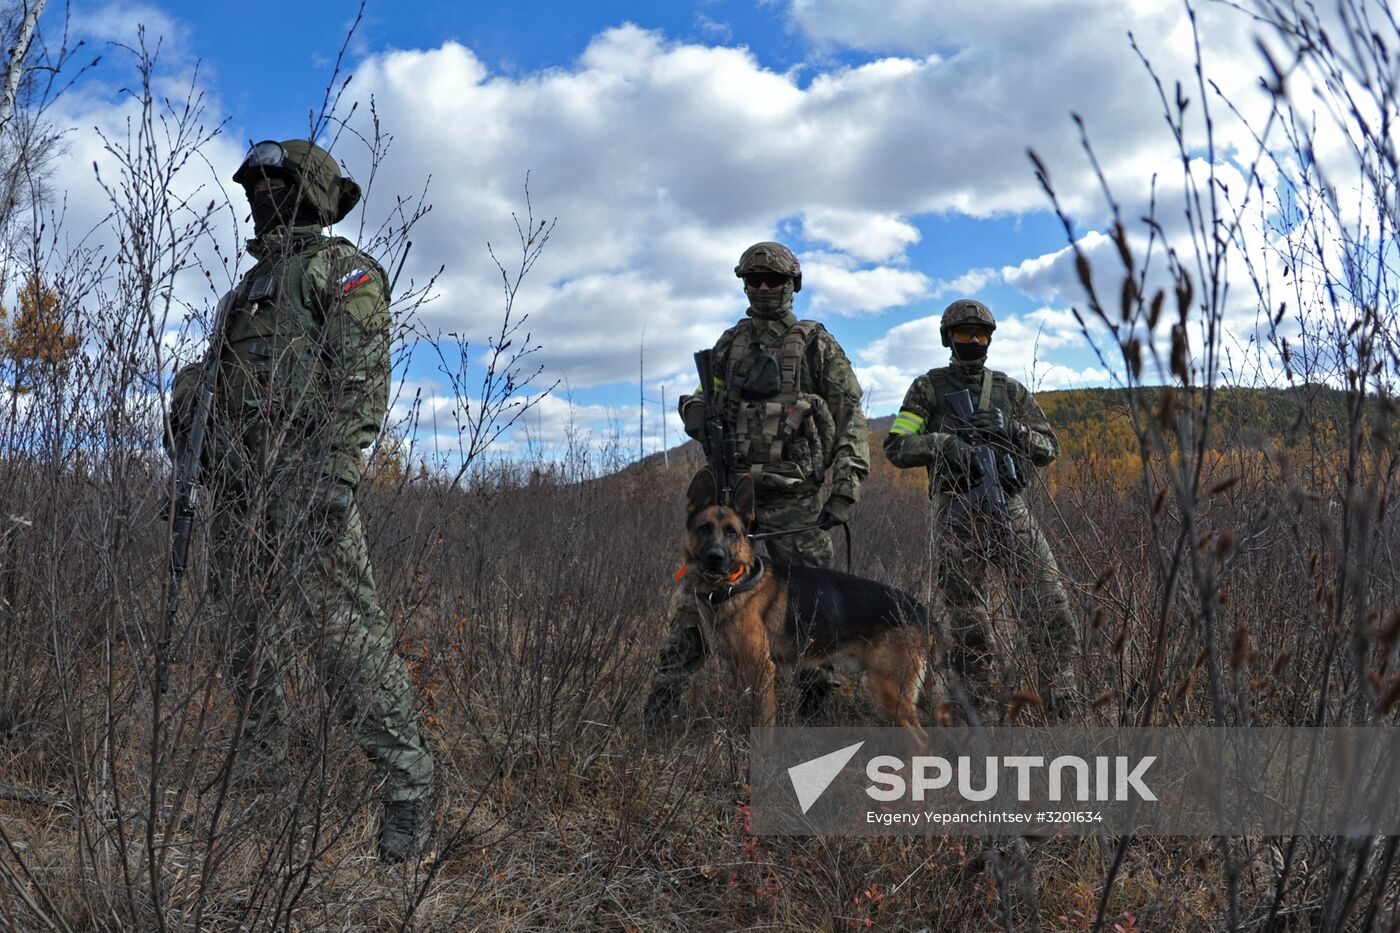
column 888, row 151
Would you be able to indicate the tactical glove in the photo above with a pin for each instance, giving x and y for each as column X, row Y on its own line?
column 837, row 511
column 694, row 415
column 991, row 422
column 957, row 453
column 999, row 428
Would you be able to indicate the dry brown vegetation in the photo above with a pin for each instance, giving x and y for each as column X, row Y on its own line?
column 1217, row 582
column 530, row 613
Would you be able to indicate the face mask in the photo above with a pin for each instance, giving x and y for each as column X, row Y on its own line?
column 770, row 304
column 279, row 207
column 969, row 352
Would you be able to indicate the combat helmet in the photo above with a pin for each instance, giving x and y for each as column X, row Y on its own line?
column 300, row 161
column 962, row 312
column 770, row 257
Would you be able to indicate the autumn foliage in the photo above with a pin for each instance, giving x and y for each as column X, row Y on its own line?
column 36, row 338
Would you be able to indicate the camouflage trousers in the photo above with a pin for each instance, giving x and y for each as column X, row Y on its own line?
column 295, row 574
column 965, row 556
column 685, row 650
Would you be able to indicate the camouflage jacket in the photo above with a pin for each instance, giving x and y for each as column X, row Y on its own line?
column 918, row 437
column 305, row 363
column 825, row 372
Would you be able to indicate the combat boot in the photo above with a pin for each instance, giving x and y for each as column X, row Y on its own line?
column 404, row 821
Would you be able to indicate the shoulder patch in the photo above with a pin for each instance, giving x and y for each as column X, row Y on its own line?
column 353, row 279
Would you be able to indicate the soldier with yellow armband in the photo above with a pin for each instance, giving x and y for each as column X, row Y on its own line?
column 929, row 433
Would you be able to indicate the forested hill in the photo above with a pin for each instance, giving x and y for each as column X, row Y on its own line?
column 1096, row 421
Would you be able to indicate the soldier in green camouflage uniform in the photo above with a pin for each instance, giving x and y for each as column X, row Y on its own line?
column 793, row 404
column 922, row 436
column 303, row 384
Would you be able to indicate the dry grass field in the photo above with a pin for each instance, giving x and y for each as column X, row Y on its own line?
column 529, row 608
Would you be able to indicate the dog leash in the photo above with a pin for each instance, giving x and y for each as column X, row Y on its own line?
column 763, row 535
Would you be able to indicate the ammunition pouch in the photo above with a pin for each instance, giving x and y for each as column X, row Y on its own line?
column 786, row 437
column 1012, row 473
column 762, row 381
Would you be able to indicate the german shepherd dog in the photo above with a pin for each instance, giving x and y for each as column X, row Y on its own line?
column 758, row 614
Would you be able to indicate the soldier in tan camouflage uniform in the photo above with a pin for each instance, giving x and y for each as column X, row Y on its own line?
column 923, row 435
column 790, row 399
column 303, row 384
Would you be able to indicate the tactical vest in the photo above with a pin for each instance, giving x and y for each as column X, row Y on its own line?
column 272, row 362
column 990, row 392
column 785, row 436
column 987, row 393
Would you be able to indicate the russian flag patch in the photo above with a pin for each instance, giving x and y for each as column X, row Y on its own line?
column 353, row 280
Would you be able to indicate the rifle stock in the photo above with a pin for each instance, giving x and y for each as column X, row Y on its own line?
column 187, row 469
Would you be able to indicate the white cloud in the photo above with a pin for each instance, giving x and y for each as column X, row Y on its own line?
column 663, row 160
column 870, row 237
column 1053, row 277
column 100, row 126
column 969, row 283
column 838, row 290
column 125, row 22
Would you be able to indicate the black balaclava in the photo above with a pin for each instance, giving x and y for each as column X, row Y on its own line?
column 281, row 207
column 972, row 353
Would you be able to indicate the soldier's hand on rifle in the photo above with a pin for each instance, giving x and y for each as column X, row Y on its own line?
column 694, row 416
column 165, row 503
column 837, row 511
column 957, row 453
column 990, row 423
column 996, row 427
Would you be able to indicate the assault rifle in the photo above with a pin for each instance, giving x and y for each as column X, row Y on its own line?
column 716, row 440
column 188, row 455
column 986, row 496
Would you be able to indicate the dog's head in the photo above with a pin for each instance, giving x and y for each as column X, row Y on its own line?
column 716, row 543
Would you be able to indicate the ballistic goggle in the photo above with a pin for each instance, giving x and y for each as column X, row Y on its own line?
column 268, row 154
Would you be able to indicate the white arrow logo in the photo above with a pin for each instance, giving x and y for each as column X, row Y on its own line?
column 811, row 778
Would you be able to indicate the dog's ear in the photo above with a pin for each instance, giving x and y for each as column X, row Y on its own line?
column 701, row 494
column 743, row 498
